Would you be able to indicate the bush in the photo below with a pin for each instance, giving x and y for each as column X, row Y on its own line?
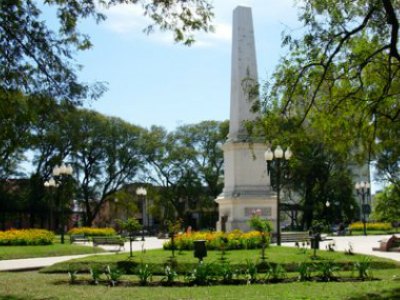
column 235, row 240
column 89, row 231
column 359, row 226
column 22, row 237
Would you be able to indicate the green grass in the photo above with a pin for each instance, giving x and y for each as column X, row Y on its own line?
column 17, row 252
column 32, row 285
column 289, row 257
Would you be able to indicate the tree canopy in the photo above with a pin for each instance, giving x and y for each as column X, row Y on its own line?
column 36, row 58
column 343, row 71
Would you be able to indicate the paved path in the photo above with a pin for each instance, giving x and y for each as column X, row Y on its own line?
column 36, row 263
column 360, row 244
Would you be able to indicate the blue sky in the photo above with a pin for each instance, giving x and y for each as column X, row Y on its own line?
column 153, row 81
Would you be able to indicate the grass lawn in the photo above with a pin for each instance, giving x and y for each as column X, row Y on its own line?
column 41, row 285
column 289, row 257
column 33, row 285
column 16, row 252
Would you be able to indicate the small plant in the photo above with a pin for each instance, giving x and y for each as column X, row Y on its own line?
column 144, row 273
column 250, row 271
column 264, row 227
column 202, row 274
column 363, row 267
column 326, row 270
column 331, row 247
column 95, row 273
column 170, row 275
column 223, row 242
column 173, row 229
column 113, row 275
column 226, row 272
column 275, row 272
column 72, row 274
column 131, row 225
column 349, row 251
column 305, row 271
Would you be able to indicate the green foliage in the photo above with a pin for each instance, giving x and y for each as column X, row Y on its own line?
column 40, row 60
column 305, row 271
column 227, row 272
column 72, row 275
column 275, row 272
column 203, row 274
column 113, row 274
column 251, row 271
column 144, row 274
column 387, row 205
column 363, row 268
column 170, row 275
column 95, row 273
column 326, row 269
column 131, row 225
column 265, row 228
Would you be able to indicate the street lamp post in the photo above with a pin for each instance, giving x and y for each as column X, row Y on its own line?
column 277, row 155
column 60, row 173
column 363, row 188
column 141, row 191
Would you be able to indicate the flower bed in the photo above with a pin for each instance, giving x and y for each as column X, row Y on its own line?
column 21, row 237
column 90, row 231
column 217, row 240
column 358, row 226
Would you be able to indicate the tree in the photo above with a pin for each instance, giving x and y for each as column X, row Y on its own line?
column 37, row 59
column 319, row 169
column 131, row 225
column 107, row 155
column 343, row 71
column 387, row 204
column 16, row 121
column 187, row 164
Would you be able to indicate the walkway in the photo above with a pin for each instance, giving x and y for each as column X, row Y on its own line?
column 360, row 244
column 37, row 263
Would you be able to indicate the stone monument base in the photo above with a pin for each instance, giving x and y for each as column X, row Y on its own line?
column 235, row 212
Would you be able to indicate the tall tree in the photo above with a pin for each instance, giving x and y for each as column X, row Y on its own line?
column 106, row 156
column 387, row 204
column 343, row 69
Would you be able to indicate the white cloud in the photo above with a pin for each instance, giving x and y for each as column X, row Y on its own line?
column 125, row 19
column 128, row 21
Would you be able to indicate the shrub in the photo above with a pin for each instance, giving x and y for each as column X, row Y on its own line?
column 234, row 240
column 359, row 226
column 89, row 231
column 21, row 237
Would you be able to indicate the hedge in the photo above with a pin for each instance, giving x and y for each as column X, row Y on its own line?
column 21, row 237
column 91, row 231
column 217, row 240
column 358, row 226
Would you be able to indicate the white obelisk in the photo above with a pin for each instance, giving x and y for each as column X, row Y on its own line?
column 247, row 187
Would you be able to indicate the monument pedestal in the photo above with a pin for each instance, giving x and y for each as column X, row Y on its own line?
column 247, row 188
column 236, row 212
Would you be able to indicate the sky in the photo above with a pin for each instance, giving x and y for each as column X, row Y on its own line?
column 152, row 80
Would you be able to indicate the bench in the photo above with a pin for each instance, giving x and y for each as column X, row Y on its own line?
column 389, row 244
column 78, row 238
column 109, row 241
column 294, row 236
